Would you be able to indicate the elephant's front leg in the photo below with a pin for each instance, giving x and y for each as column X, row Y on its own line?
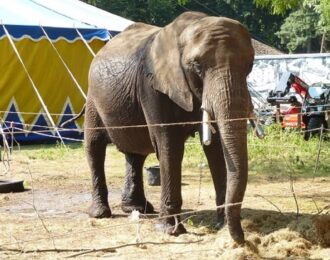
column 133, row 197
column 170, row 149
column 217, row 165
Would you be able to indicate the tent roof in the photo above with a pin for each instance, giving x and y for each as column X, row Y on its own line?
column 60, row 17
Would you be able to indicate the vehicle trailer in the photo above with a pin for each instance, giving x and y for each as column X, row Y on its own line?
column 311, row 113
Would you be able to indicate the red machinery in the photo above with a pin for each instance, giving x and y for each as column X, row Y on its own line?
column 311, row 113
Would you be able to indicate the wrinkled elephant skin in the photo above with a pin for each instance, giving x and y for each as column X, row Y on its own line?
column 149, row 75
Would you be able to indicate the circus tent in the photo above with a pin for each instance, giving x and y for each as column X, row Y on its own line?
column 46, row 47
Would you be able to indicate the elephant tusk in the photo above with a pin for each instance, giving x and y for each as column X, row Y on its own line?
column 207, row 135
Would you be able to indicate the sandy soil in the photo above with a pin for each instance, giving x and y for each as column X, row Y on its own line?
column 48, row 220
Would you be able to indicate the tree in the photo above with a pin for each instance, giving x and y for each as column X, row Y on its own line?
column 157, row 12
column 261, row 24
column 318, row 12
column 299, row 31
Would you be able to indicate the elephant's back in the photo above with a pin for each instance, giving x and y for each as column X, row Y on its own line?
column 129, row 42
column 115, row 65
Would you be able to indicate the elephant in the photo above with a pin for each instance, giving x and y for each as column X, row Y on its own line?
column 157, row 78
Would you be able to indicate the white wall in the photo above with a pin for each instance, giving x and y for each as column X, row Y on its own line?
column 268, row 69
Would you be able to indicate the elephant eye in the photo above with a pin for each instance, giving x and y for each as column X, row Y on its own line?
column 197, row 68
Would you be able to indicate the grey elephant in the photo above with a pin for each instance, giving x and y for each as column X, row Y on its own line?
column 149, row 76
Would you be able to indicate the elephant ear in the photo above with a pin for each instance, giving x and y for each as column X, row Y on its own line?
column 165, row 58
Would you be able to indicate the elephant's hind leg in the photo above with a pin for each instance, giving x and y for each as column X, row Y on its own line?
column 96, row 141
column 133, row 197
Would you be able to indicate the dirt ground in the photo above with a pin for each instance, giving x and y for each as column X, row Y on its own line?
column 48, row 220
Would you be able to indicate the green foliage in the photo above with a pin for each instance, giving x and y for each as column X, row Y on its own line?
column 157, row 12
column 261, row 24
column 325, row 7
column 284, row 152
column 299, row 30
column 292, row 25
column 280, row 154
column 279, row 6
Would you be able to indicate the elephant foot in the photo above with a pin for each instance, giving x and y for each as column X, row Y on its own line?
column 237, row 236
column 239, row 239
column 98, row 210
column 221, row 221
column 145, row 207
column 171, row 229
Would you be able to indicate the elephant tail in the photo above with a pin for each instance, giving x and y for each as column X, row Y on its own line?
column 75, row 117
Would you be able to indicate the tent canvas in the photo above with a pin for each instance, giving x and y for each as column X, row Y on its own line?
column 46, row 82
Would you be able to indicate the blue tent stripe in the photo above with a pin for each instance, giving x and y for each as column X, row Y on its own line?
column 35, row 32
column 40, row 126
column 13, row 118
column 67, row 133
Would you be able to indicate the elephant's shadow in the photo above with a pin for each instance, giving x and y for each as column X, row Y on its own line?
column 257, row 220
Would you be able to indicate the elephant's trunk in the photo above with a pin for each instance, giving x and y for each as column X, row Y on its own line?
column 229, row 102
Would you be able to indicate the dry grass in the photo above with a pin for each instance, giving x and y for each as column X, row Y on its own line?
column 61, row 195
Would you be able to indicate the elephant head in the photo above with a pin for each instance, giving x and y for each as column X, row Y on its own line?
column 198, row 57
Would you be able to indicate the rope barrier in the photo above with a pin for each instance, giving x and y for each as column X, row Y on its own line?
column 64, row 114
column 42, row 133
column 145, row 217
column 96, row 229
column 35, row 113
column 49, row 128
column 22, row 131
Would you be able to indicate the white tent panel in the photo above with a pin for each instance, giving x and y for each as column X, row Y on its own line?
column 59, row 13
column 80, row 11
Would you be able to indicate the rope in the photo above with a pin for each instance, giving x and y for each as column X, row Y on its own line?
column 6, row 151
column 42, row 133
column 125, row 224
column 35, row 113
column 64, row 64
column 64, row 114
column 48, row 128
column 22, row 131
column 85, row 42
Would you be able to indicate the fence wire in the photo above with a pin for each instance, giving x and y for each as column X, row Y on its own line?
column 143, row 218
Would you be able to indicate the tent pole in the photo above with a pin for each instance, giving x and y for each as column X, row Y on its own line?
column 6, row 148
column 86, row 43
column 65, row 65
column 32, row 82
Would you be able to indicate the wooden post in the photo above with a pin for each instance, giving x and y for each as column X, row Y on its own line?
column 323, row 43
column 278, row 114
